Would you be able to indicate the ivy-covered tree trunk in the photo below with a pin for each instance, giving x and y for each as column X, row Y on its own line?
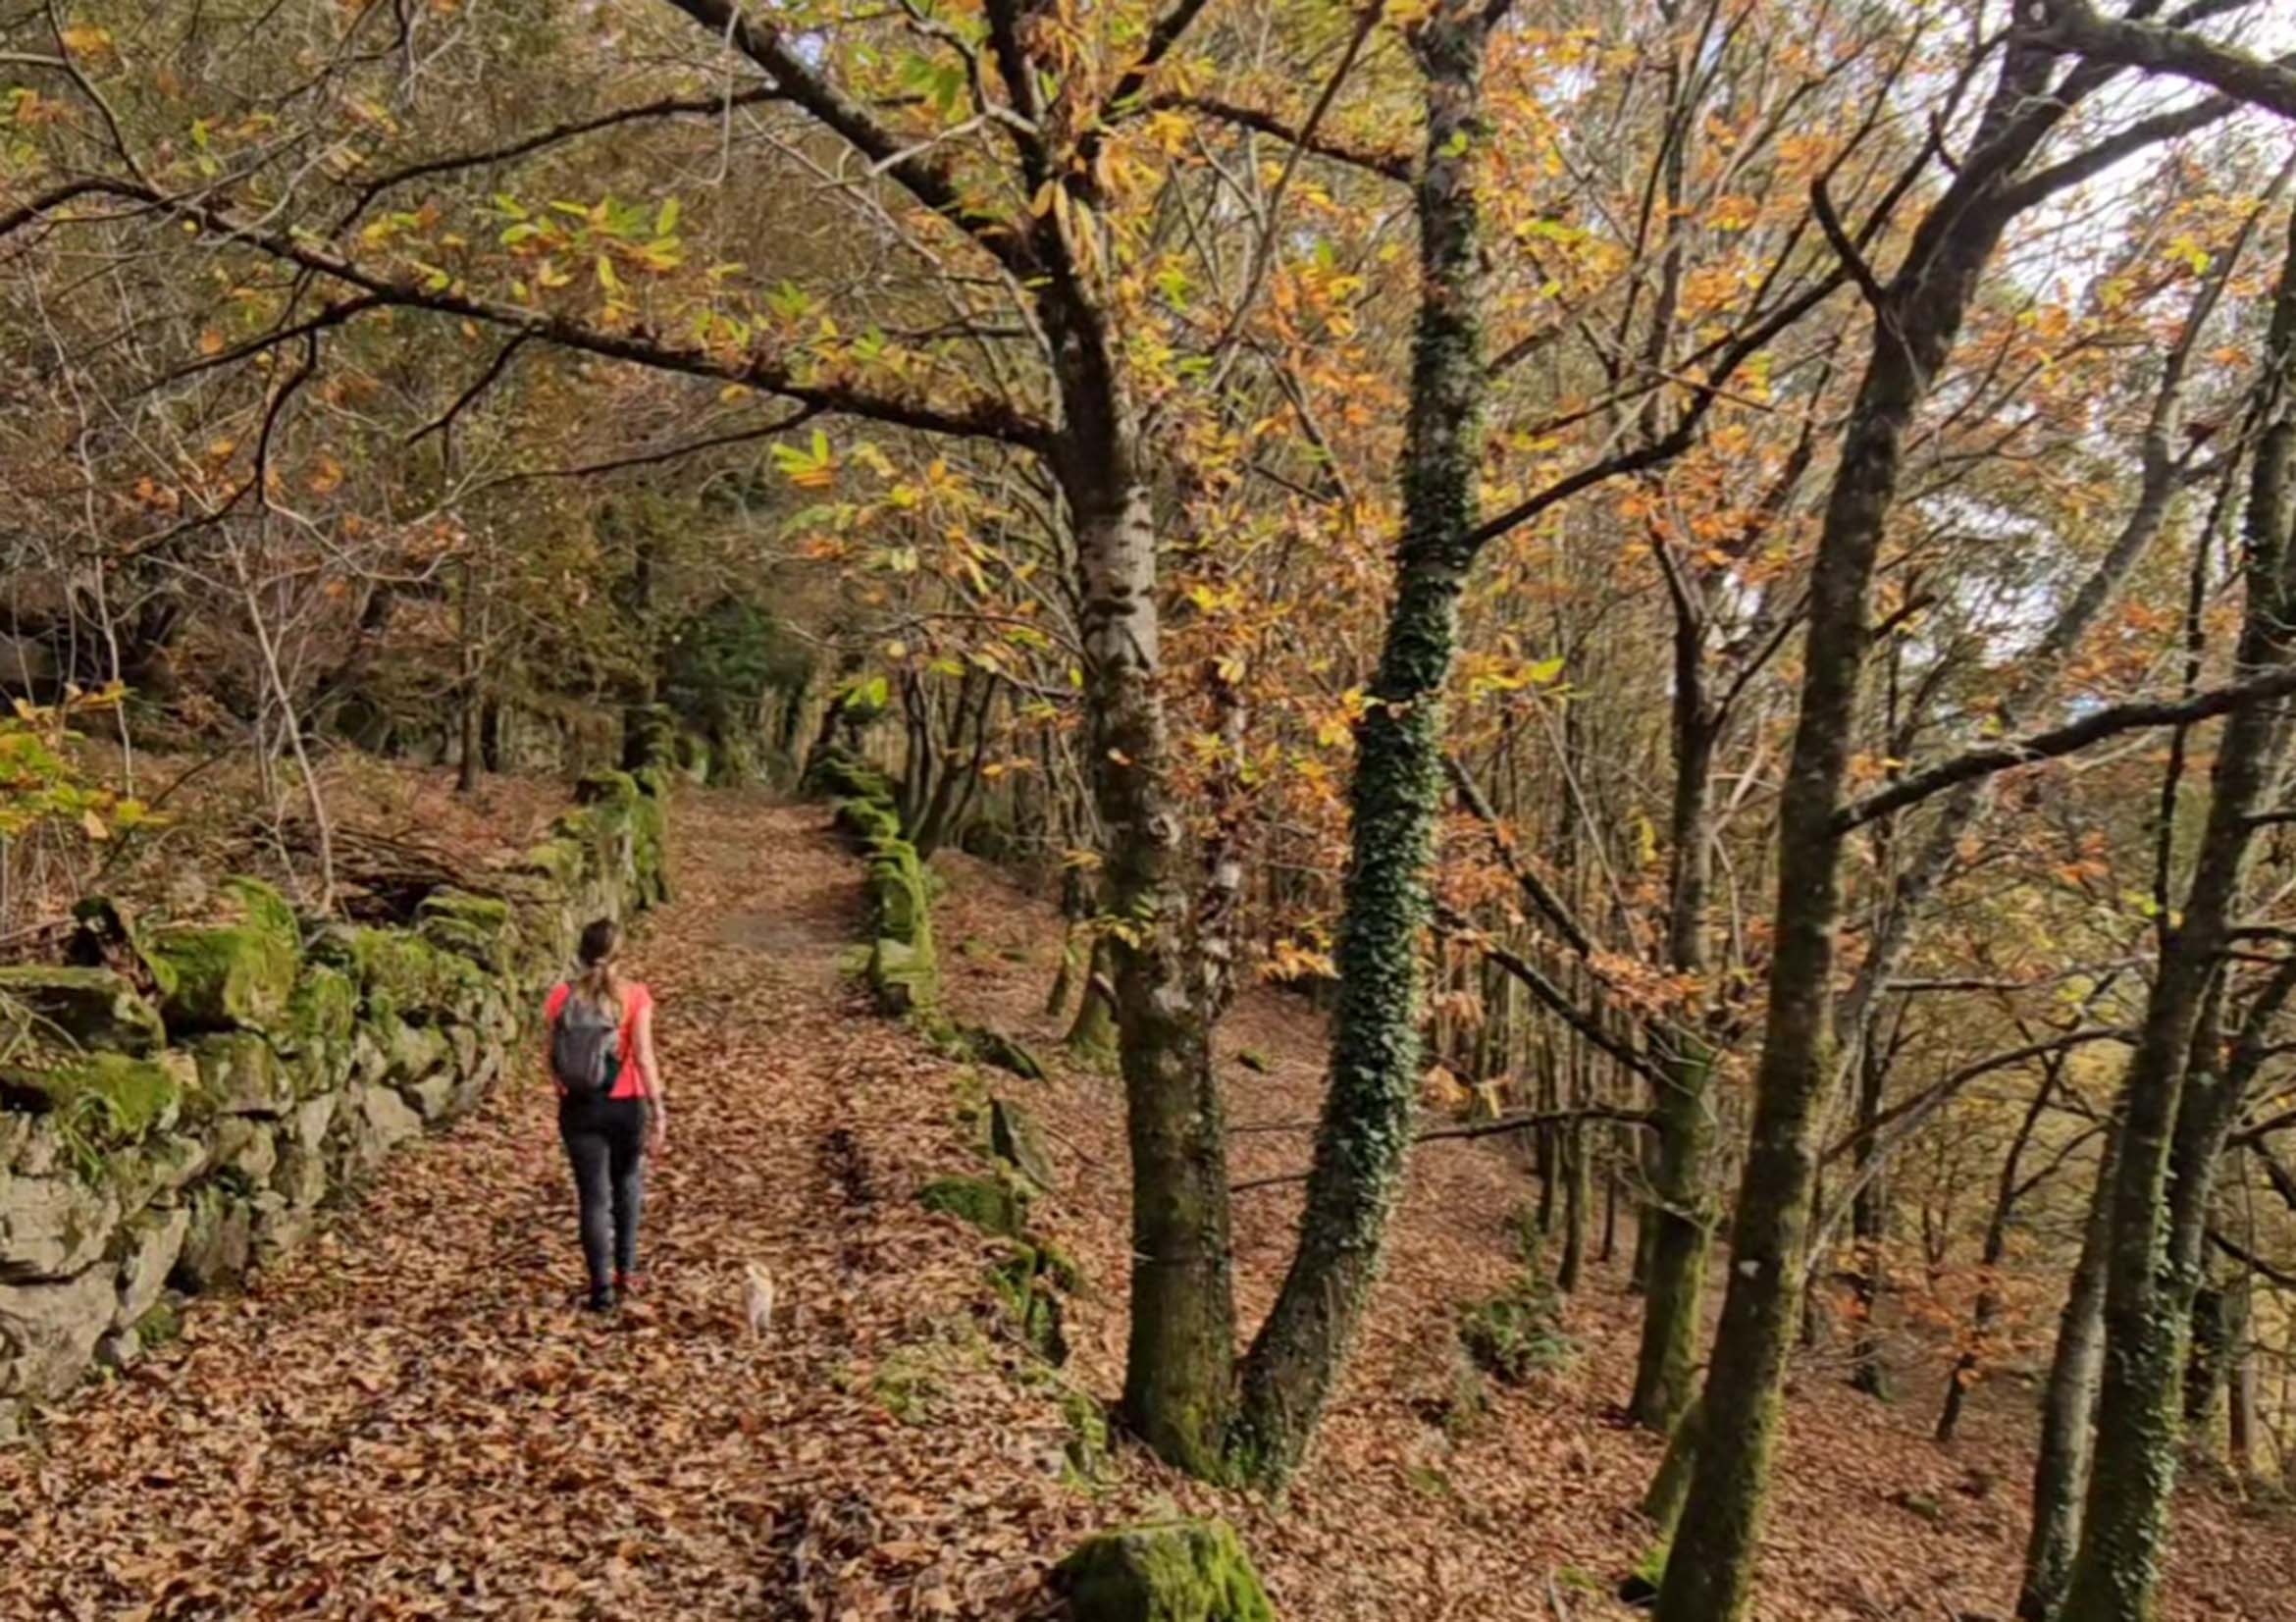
column 1366, row 1129
column 1709, row 1574
column 2180, row 1094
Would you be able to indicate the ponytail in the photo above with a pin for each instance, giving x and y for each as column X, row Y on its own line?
column 602, row 941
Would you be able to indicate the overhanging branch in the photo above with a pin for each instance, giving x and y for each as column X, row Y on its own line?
column 2060, row 741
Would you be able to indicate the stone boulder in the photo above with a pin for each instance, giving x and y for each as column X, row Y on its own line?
column 54, row 1227
column 240, row 1074
column 48, row 1332
column 987, row 1204
column 236, row 975
column 148, row 1249
column 104, row 1100
column 90, row 1008
column 1177, row 1571
column 1016, row 1139
column 218, row 1242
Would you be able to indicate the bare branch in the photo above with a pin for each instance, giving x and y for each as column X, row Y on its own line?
column 2151, row 48
column 2094, row 727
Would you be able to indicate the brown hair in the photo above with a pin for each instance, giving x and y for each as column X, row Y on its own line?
column 602, row 941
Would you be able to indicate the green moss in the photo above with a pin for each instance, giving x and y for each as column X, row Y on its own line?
column 240, row 1074
column 561, row 860
column 1178, row 1571
column 1517, row 1332
column 163, row 1324
column 987, row 1204
column 1088, row 1437
column 900, row 902
column 91, row 1008
column 240, row 973
column 839, row 773
column 401, row 973
column 606, row 788
column 323, row 1006
column 478, row 928
column 1025, row 1288
column 867, row 820
column 105, row 1100
column 904, row 976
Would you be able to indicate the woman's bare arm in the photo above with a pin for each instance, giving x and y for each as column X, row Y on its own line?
column 650, row 1067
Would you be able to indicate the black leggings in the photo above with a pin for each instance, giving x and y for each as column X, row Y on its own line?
column 605, row 1141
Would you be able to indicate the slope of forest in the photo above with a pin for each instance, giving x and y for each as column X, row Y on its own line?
column 1711, row 583
column 409, row 1419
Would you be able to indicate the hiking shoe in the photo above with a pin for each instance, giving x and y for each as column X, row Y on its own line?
column 630, row 1283
column 598, row 1300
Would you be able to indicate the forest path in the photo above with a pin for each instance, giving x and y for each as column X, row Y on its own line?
column 410, row 1419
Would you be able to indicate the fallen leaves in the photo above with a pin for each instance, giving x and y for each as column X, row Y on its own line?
column 409, row 1419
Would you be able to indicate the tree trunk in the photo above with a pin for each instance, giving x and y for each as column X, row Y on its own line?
column 1709, row 1576
column 1870, row 1220
column 1180, row 1357
column 1397, row 791
column 2205, row 1364
column 2061, row 1471
column 1676, row 1219
column 1575, row 1190
column 1672, row 1266
column 2240, row 1410
column 2179, row 1094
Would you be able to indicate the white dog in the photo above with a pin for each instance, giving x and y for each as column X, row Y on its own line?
column 757, row 1298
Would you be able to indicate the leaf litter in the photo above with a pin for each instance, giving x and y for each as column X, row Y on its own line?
column 409, row 1419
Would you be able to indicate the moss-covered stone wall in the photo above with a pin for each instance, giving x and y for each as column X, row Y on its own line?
column 181, row 1109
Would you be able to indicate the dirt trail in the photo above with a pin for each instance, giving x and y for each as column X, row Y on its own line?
column 408, row 1419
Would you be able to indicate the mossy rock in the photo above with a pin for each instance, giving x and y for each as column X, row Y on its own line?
column 107, row 1100
column 1087, row 1446
column 841, row 775
column 994, row 1047
column 904, row 975
column 1517, row 1332
column 1026, row 1290
column 561, row 860
column 91, row 1008
column 989, row 1205
column 239, row 974
column 606, row 788
column 1176, row 1571
column 217, row 1244
column 478, row 928
column 161, row 1326
column 867, row 820
column 399, row 972
column 106, row 934
column 322, row 1007
column 1016, row 1139
column 240, row 1074
column 898, row 896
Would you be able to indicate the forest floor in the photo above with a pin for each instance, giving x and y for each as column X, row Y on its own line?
column 410, row 1419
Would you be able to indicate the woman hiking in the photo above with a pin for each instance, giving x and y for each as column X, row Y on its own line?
column 610, row 1105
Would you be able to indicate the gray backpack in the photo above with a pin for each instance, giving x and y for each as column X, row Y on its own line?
column 585, row 1048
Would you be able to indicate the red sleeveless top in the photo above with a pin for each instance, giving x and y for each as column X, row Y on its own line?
column 632, row 1081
